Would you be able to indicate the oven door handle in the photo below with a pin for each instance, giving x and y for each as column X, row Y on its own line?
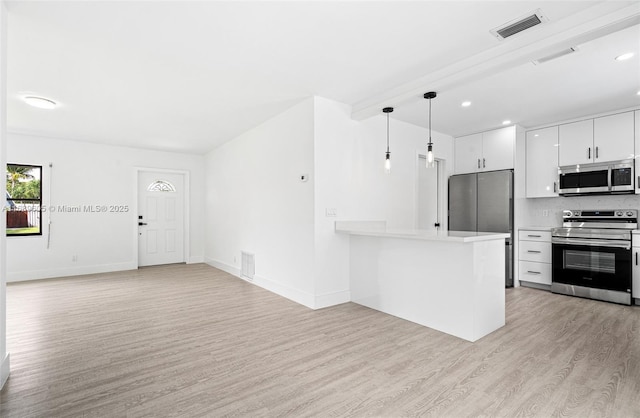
column 592, row 242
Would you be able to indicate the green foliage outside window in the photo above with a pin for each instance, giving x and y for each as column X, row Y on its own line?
column 24, row 199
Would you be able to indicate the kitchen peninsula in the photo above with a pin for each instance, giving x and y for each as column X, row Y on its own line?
column 447, row 280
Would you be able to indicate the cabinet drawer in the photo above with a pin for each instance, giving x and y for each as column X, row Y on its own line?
column 534, row 235
column 535, row 251
column 533, row 272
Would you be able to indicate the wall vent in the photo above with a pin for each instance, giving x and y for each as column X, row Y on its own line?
column 248, row 266
column 556, row 55
column 518, row 25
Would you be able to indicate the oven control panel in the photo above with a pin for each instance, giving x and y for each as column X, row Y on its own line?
column 600, row 214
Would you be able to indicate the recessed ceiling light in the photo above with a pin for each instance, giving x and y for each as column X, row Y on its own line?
column 625, row 56
column 466, row 104
column 506, row 122
column 40, row 102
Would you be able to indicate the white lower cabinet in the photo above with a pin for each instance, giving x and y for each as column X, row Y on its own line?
column 637, row 150
column 534, row 255
column 534, row 272
column 635, row 260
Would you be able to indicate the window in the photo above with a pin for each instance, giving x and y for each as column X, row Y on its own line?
column 24, row 199
column 161, row 186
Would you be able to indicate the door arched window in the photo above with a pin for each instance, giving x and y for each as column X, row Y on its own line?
column 161, row 186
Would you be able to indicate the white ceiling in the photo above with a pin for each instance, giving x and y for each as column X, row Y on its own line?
column 188, row 76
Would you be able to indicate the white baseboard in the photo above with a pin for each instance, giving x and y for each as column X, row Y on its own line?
column 196, row 259
column 223, row 266
column 22, row 276
column 4, row 370
column 298, row 296
column 294, row 295
column 332, row 299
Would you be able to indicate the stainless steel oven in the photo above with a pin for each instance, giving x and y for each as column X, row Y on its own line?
column 591, row 254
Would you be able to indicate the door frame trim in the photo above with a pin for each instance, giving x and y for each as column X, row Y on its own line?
column 187, row 206
column 442, row 192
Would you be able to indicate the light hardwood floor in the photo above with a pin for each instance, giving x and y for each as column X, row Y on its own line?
column 192, row 341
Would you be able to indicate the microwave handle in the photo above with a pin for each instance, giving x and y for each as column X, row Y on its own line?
column 609, row 173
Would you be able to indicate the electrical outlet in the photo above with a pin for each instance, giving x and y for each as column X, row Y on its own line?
column 331, row 212
column 545, row 212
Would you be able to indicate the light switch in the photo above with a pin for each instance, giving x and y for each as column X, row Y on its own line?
column 331, row 212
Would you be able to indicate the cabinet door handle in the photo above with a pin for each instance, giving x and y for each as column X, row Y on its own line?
column 555, row 187
column 478, row 162
column 597, row 152
column 533, row 251
column 535, row 236
column 637, row 258
column 483, row 163
column 533, row 272
column 589, row 153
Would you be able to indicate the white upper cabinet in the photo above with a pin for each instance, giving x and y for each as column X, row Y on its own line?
column 468, row 150
column 488, row 151
column 604, row 139
column 497, row 149
column 613, row 137
column 576, row 143
column 637, row 151
column 542, row 162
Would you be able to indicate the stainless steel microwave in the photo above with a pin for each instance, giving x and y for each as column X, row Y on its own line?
column 599, row 178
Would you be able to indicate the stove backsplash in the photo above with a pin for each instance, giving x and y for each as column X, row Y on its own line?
column 531, row 212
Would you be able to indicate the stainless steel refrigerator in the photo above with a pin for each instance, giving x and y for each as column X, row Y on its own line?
column 483, row 202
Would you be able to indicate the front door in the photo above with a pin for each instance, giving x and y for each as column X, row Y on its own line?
column 160, row 218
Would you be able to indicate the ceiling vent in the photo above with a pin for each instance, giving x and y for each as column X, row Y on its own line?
column 521, row 24
column 556, row 55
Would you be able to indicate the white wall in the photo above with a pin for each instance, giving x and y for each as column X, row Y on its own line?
column 532, row 215
column 4, row 355
column 92, row 174
column 392, row 197
column 256, row 202
column 334, row 140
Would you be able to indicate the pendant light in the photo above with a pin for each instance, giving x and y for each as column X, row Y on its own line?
column 430, row 160
column 387, row 157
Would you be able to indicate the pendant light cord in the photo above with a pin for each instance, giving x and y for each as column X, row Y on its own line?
column 387, row 133
column 430, row 143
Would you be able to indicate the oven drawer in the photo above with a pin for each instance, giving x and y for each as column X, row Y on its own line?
column 535, row 251
column 592, row 266
column 533, row 272
column 544, row 236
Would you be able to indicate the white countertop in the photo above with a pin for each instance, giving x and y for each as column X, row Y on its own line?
column 536, row 228
column 379, row 229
